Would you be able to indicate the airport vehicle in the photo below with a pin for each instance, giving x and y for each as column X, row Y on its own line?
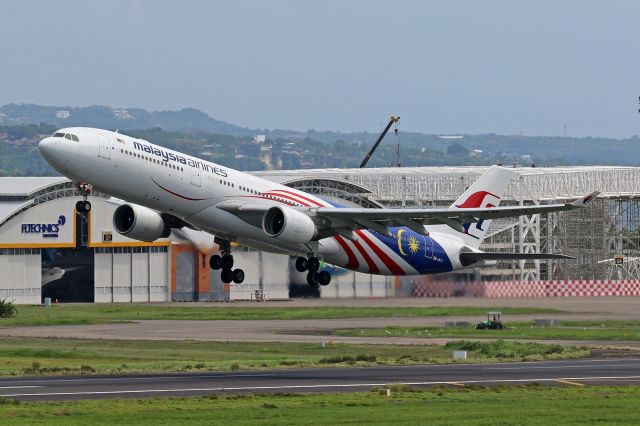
column 493, row 322
column 165, row 190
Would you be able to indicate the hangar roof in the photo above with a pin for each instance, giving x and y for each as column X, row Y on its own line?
column 15, row 187
column 20, row 193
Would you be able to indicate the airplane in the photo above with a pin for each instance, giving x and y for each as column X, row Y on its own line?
column 164, row 189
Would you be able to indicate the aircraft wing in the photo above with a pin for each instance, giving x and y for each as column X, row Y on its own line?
column 379, row 219
column 250, row 213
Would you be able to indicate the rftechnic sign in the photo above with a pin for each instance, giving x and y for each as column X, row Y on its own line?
column 48, row 230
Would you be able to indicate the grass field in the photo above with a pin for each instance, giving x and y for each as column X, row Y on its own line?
column 96, row 314
column 534, row 405
column 30, row 356
column 567, row 330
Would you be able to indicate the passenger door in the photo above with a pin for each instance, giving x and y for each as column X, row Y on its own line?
column 104, row 146
column 196, row 176
column 428, row 247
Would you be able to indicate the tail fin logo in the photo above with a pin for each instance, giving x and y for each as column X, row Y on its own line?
column 478, row 200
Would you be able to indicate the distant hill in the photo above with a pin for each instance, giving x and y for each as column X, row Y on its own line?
column 194, row 131
column 184, row 120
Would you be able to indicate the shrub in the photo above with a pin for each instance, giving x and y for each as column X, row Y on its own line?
column 7, row 309
column 86, row 369
column 507, row 349
column 347, row 359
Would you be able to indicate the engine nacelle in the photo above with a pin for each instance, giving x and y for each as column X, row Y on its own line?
column 288, row 225
column 140, row 223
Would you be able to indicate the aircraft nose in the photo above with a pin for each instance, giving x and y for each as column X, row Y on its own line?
column 45, row 145
column 47, row 148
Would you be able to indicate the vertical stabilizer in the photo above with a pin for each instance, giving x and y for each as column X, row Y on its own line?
column 486, row 192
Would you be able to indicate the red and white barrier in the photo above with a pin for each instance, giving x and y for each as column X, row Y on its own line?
column 553, row 288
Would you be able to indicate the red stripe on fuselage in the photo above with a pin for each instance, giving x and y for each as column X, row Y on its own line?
column 176, row 194
column 262, row 198
column 393, row 266
column 288, row 197
column 373, row 268
column 314, row 202
column 353, row 263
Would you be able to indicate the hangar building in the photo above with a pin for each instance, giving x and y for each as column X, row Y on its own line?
column 47, row 249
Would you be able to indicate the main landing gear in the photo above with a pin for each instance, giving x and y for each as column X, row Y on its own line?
column 224, row 261
column 83, row 206
column 312, row 265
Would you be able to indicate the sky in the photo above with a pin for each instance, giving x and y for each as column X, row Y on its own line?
column 505, row 67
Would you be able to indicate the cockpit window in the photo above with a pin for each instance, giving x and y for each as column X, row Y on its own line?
column 70, row 137
column 58, row 135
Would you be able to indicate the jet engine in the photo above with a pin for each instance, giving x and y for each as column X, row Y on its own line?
column 140, row 223
column 288, row 225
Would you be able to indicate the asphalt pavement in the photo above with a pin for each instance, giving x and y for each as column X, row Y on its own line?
column 623, row 371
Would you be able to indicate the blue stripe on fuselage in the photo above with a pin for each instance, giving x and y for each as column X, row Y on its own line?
column 428, row 257
column 423, row 253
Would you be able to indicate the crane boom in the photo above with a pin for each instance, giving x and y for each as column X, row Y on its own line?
column 392, row 120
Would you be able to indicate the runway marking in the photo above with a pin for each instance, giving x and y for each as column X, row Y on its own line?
column 19, row 387
column 569, row 382
column 128, row 379
column 551, row 367
column 327, row 386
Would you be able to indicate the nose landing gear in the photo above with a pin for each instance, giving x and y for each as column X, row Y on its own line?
column 312, row 265
column 83, row 206
column 225, row 262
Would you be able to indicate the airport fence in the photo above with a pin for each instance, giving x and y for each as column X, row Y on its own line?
column 509, row 289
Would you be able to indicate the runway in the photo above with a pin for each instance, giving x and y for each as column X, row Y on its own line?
column 623, row 371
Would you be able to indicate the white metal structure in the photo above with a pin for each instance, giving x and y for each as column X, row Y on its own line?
column 609, row 227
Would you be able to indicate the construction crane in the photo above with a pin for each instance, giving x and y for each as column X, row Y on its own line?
column 392, row 120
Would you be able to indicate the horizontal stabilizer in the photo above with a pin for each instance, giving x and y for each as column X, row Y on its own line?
column 470, row 258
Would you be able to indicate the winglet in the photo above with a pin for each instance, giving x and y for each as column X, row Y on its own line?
column 586, row 200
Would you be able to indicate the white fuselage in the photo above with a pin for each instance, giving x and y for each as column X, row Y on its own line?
column 190, row 188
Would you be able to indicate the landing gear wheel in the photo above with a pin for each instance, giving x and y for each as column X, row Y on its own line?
column 312, row 279
column 313, row 264
column 237, row 276
column 301, row 264
column 226, row 276
column 227, row 262
column 215, row 262
column 324, row 278
column 83, row 206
